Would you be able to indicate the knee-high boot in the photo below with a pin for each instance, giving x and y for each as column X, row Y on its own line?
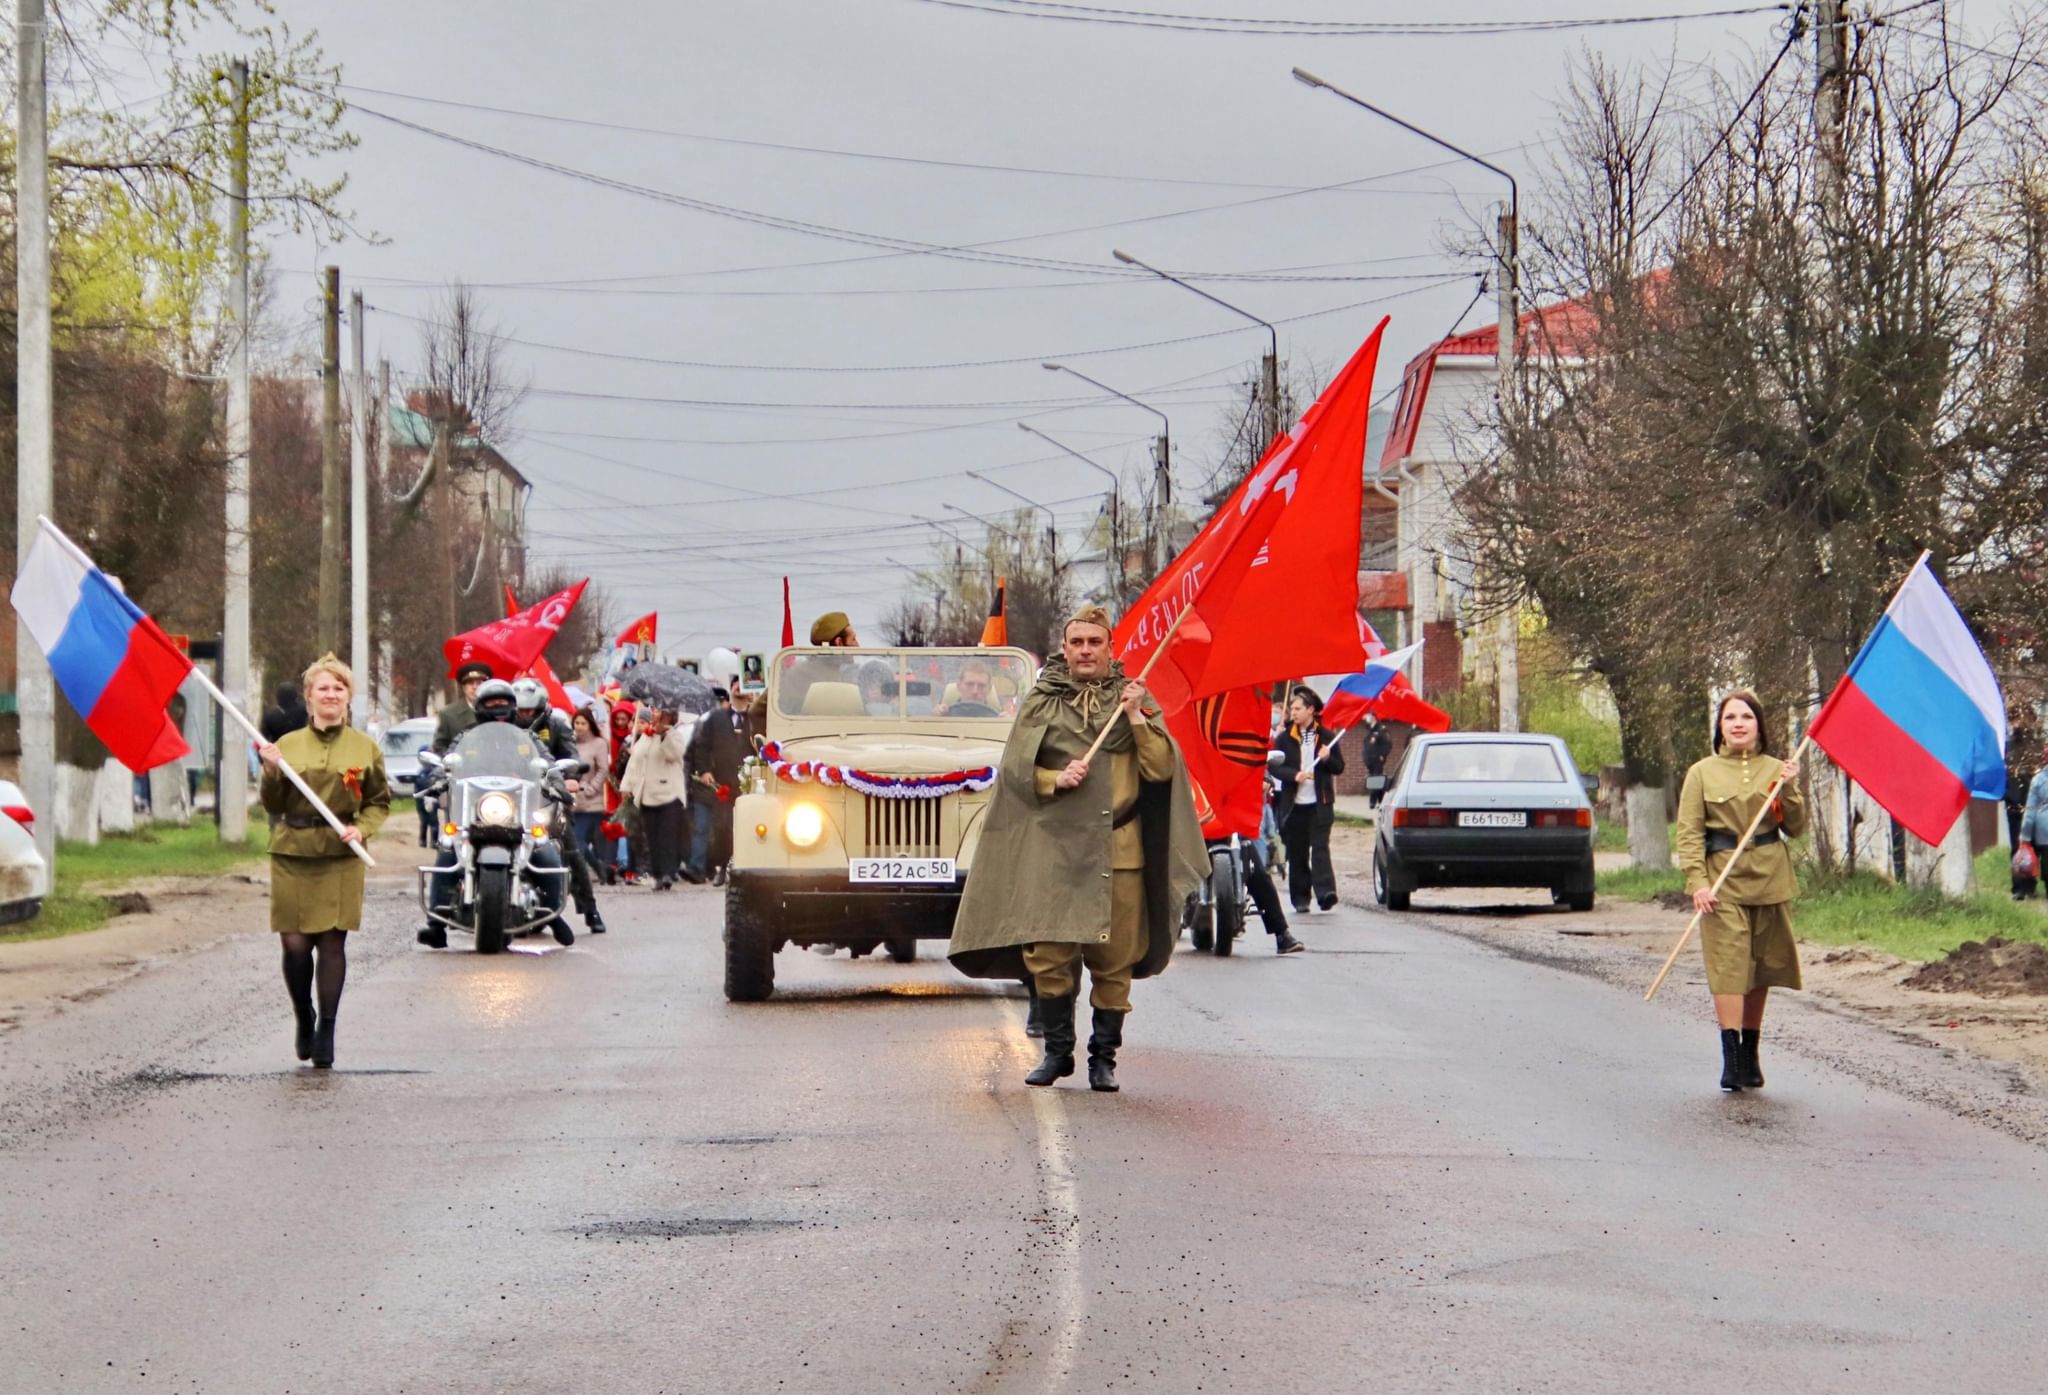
column 1752, row 1068
column 1057, row 1015
column 1731, row 1059
column 1034, row 1023
column 1102, row 1047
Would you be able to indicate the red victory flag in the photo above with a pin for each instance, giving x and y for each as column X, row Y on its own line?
column 1272, row 579
column 558, row 696
column 510, row 646
column 1224, row 739
column 996, row 629
column 641, row 631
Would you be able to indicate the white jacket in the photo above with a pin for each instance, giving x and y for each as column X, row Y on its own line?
column 656, row 772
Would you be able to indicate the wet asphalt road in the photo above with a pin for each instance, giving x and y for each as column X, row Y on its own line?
column 1401, row 1162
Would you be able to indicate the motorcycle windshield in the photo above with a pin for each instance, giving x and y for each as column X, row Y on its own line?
column 499, row 749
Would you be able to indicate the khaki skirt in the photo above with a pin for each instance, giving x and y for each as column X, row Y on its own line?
column 309, row 895
column 1749, row 947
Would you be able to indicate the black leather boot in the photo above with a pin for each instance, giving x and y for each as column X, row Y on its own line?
column 563, row 934
column 594, row 922
column 1057, row 1014
column 304, row 1045
column 323, row 1042
column 1752, row 1069
column 1102, row 1045
column 1731, row 1059
column 1034, row 1020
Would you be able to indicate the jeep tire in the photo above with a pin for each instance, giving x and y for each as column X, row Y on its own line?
column 749, row 952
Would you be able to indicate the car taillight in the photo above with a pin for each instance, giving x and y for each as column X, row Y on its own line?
column 1561, row 818
column 20, row 813
column 1422, row 818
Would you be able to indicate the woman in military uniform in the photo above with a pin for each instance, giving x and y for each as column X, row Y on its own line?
column 316, row 880
column 1746, row 931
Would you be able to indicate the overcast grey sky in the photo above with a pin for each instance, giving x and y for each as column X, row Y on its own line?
column 813, row 414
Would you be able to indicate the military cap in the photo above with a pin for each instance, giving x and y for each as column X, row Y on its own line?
column 829, row 626
column 475, row 668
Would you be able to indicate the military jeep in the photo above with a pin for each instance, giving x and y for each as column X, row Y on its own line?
column 858, row 820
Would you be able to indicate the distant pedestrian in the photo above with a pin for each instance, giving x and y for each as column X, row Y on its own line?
column 1307, row 803
column 656, row 782
column 1746, row 931
column 285, row 715
column 316, row 880
column 1378, row 746
column 2033, row 831
column 586, row 814
column 717, row 747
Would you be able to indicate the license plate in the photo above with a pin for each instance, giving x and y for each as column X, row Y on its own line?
column 1477, row 818
column 899, row 869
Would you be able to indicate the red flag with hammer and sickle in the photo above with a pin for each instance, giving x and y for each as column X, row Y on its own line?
column 510, row 646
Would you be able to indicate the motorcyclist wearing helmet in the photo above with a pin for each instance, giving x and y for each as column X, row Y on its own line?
column 498, row 701
column 553, row 731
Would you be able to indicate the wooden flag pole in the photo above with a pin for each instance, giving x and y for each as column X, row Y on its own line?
column 1770, row 796
column 290, row 774
column 1144, row 673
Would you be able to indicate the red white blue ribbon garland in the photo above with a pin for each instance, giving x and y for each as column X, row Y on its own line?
column 805, row 772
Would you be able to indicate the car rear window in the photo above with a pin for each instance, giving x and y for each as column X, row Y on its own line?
column 407, row 743
column 1479, row 762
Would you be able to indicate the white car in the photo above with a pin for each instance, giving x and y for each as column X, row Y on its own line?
column 24, row 876
column 403, row 742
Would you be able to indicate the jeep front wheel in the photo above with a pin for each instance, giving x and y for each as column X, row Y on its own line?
column 749, row 954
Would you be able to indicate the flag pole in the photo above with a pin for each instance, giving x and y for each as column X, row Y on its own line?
column 290, row 774
column 1146, row 672
column 1715, row 890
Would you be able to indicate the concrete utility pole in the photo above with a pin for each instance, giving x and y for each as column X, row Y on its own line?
column 35, row 692
column 1508, row 666
column 358, row 517
column 231, row 795
column 444, row 504
column 1831, row 98
column 329, row 638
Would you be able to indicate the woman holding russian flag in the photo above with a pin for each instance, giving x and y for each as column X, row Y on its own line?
column 1745, row 931
column 316, row 880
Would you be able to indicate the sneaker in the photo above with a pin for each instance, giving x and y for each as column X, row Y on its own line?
column 1285, row 943
column 594, row 923
column 563, row 934
column 718, row 876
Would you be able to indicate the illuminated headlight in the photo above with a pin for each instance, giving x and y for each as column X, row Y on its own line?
column 498, row 810
column 803, row 825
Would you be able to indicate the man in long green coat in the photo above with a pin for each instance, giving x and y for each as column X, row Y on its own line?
column 459, row 716
column 1082, row 862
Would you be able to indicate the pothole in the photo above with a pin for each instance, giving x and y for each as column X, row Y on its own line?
column 679, row 1227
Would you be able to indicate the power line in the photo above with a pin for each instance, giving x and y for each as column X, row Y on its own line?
column 1699, row 167
column 1326, row 29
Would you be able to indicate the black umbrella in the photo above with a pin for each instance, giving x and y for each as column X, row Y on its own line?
column 668, row 688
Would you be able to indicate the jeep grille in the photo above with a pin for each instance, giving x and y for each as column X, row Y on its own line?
column 903, row 827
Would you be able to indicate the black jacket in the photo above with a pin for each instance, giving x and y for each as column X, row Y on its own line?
column 287, row 716
column 717, row 747
column 558, row 737
column 1288, row 744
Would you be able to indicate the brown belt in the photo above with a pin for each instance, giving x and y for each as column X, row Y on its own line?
column 302, row 821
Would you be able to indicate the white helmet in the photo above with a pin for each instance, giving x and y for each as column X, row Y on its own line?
column 722, row 668
column 528, row 695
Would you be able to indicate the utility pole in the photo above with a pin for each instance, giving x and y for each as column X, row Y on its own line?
column 1272, row 376
column 444, row 505
column 231, row 792
column 35, row 690
column 1508, row 666
column 358, row 516
column 1831, row 100
column 329, row 638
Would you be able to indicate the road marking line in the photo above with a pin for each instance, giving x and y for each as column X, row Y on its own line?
column 1061, row 1221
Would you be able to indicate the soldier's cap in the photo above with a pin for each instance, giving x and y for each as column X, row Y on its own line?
column 475, row 668
column 829, row 626
column 1089, row 615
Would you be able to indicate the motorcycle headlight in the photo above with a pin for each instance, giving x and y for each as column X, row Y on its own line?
column 498, row 809
column 804, row 825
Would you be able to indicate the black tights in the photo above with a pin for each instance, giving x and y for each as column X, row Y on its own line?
column 300, row 971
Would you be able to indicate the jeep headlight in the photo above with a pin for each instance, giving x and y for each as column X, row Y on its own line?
column 498, row 809
column 803, row 825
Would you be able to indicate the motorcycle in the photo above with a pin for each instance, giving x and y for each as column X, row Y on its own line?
column 498, row 804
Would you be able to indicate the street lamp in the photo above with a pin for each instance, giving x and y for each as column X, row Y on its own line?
column 1272, row 364
column 1508, row 288
column 1116, row 535
column 1052, row 532
column 1162, row 455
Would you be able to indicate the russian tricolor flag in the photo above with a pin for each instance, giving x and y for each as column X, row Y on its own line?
column 1918, row 719
column 117, row 668
column 1353, row 694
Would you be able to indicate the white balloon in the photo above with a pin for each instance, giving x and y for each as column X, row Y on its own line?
column 722, row 666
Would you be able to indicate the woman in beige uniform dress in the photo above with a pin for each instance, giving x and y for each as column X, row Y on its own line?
column 1746, row 931
column 316, row 880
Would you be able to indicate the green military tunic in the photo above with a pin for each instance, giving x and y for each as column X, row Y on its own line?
column 456, row 718
column 1747, row 937
column 316, row 883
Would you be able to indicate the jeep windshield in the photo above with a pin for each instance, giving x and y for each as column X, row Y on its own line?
column 902, row 685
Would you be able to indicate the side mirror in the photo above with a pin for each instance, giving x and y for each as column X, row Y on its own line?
column 429, row 760
column 566, row 767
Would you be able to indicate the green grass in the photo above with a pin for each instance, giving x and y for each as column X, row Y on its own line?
column 86, row 871
column 1866, row 909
